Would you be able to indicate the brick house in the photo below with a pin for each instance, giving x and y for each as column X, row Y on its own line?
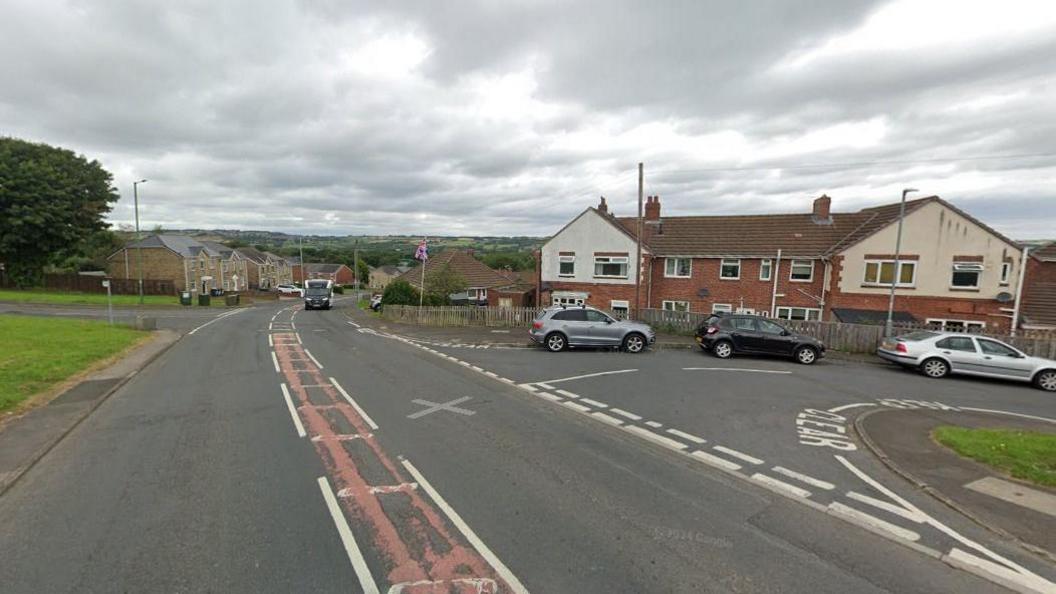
column 338, row 273
column 480, row 279
column 1039, row 289
column 198, row 266
column 954, row 271
column 383, row 275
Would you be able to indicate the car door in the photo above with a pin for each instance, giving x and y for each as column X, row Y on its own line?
column 745, row 334
column 1001, row 359
column 776, row 339
column 962, row 354
column 575, row 326
column 603, row 329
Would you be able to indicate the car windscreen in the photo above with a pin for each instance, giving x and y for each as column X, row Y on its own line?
column 921, row 335
column 316, row 292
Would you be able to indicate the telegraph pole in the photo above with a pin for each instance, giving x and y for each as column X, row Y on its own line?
column 355, row 264
column 301, row 240
column 139, row 238
column 638, row 258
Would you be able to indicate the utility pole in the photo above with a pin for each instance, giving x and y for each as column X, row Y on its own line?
column 889, row 328
column 355, row 264
column 301, row 239
column 139, row 238
column 1024, row 259
column 638, row 257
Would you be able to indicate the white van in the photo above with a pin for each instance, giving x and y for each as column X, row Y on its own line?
column 318, row 294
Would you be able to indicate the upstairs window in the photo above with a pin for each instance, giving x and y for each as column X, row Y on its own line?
column 882, row 273
column 566, row 266
column 730, row 269
column 678, row 267
column 801, row 270
column 1006, row 272
column 966, row 275
column 610, row 266
column 766, row 269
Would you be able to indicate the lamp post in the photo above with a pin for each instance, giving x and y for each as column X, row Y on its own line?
column 139, row 239
column 895, row 273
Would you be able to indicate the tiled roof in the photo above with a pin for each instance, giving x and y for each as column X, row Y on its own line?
column 322, row 268
column 181, row 244
column 476, row 274
column 252, row 254
column 1045, row 253
column 763, row 235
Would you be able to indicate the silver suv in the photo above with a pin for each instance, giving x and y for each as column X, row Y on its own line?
column 558, row 328
column 938, row 354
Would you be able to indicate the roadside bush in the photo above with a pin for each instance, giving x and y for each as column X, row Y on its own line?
column 400, row 292
column 339, row 290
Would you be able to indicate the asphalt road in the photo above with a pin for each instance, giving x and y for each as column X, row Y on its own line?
column 283, row 450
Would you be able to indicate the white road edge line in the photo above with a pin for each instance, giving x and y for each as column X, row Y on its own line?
column 359, row 564
column 548, row 396
column 499, row 567
column 792, row 489
column 804, row 478
column 736, row 369
column 887, row 507
column 275, row 361
column 573, row 405
column 217, row 319
column 355, row 324
column 850, row 406
column 842, row 510
column 624, row 413
column 361, row 412
column 314, row 360
column 715, row 461
column 607, row 419
column 593, row 402
column 736, row 454
column 667, row 442
column 271, row 341
column 566, row 393
column 293, row 411
column 964, row 560
column 687, row 436
column 575, row 377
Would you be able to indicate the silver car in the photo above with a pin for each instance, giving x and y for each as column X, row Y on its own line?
column 938, row 354
column 558, row 328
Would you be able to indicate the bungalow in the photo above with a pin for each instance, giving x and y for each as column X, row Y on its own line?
column 479, row 278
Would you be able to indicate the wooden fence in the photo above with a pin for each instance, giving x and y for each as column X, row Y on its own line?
column 500, row 317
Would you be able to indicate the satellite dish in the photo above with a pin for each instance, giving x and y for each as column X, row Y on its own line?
column 1004, row 297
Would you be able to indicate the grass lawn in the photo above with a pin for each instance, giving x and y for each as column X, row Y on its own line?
column 37, row 353
column 39, row 296
column 1025, row 455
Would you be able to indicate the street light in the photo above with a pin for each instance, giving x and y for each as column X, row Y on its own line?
column 139, row 239
column 895, row 273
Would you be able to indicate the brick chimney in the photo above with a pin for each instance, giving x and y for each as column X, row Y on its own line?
column 602, row 207
column 822, row 207
column 652, row 208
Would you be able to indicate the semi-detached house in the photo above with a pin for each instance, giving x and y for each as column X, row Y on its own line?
column 192, row 265
column 954, row 271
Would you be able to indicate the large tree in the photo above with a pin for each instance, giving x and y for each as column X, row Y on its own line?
column 51, row 200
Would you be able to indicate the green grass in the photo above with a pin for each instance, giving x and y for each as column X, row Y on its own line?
column 1026, row 455
column 37, row 353
column 39, row 296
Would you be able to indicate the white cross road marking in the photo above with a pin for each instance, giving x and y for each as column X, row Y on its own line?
column 438, row 406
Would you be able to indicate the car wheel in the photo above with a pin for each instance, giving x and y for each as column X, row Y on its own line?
column 634, row 343
column 1046, row 380
column 555, row 342
column 935, row 368
column 806, row 355
column 723, row 349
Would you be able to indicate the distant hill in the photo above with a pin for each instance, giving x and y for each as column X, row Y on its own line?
column 401, row 243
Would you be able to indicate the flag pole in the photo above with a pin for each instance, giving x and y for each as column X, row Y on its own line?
column 421, row 291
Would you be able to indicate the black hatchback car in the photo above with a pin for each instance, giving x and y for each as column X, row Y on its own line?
column 727, row 335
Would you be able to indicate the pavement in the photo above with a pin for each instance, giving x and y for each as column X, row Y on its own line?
column 277, row 449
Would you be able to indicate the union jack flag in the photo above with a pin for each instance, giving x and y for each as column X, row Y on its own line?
column 422, row 253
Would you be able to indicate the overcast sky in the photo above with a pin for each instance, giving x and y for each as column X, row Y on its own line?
column 507, row 118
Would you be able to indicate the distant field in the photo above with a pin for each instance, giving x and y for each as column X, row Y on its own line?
column 38, row 353
column 38, row 296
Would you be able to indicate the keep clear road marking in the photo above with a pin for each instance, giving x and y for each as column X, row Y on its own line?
column 500, row 568
column 359, row 564
column 576, row 377
column 736, row 369
column 293, row 411
column 217, row 319
column 361, row 412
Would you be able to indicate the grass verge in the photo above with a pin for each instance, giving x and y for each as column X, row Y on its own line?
column 38, row 353
column 1026, row 455
column 39, row 296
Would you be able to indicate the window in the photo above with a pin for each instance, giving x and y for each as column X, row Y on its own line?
column 620, row 309
column 571, row 315
column 610, row 266
column 769, row 327
column 596, row 316
column 747, row 324
column 568, row 298
column 1006, row 272
column 721, row 308
column 882, row 272
column 766, row 269
column 956, row 325
column 482, row 294
column 992, row 347
column 675, row 305
column 801, row 270
column 957, row 343
column 798, row 313
column 678, row 267
column 730, row 269
column 566, row 266
column 966, row 275
column 505, row 301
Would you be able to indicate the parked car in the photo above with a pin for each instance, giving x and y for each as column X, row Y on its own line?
column 558, row 328
column 290, row 290
column 938, row 354
column 728, row 335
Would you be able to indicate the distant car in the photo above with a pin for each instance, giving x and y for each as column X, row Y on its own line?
column 734, row 334
column 558, row 328
column 290, row 290
column 938, row 354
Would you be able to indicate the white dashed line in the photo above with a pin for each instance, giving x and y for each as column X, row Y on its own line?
column 359, row 564
column 355, row 324
column 528, row 387
column 314, row 360
column 715, row 460
column 887, row 507
column 782, row 485
column 803, row 478
column 298, row 338
column 688, row 436
column 356, row 406
column 275, row 361
column 567, row 393
column 607, row 419
column 544, row 385
column 862, row 517
column 271, row 341
column 293, row 411
column 667, row 442
column 624, row 413
column 548, row 396
column 654, row 424
column 490, row 374
column 572, row 405
column 594, row 403
column 736, row 454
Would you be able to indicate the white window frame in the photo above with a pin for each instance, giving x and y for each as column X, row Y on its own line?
column 1006, row 273
column 966, row 323
column 975, row 267
column 482, row 294
column 898, row 273
column 673, row 306
column 787, row 313
column 722, row 264
column 768, row 265
column 566, row 260
column 506, row 302
column 792, row 271
column 620, row 303
column 625, row 260
column 667, row 267
column 721, row 308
